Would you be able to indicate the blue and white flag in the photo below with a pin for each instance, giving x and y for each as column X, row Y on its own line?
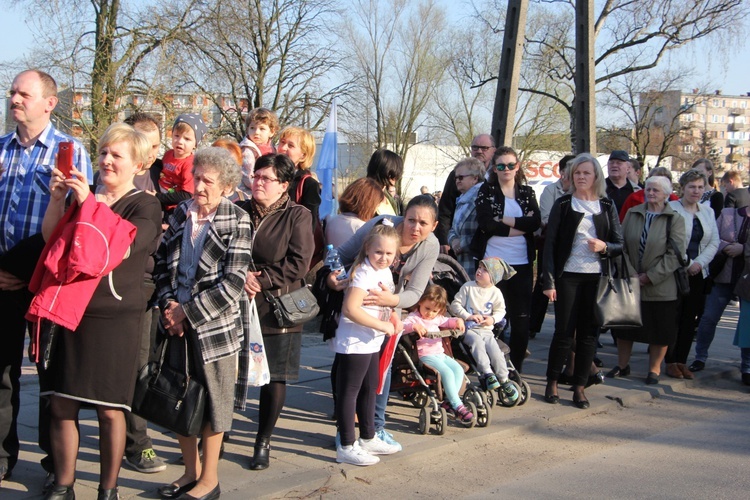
column 328, row 164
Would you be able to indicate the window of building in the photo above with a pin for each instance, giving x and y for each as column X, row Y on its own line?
column 714, row 134
column 715, row 103
column 721, row 134
column 723, row 103
column 687, row 148
column 715, row 118
column 723, row 119
column 743, row 104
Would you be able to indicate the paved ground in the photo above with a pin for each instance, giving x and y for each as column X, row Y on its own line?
column 303, row 456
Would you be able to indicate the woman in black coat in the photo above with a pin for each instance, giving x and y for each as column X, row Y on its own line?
column 508, row 215
column 583, row 229
column 282, row 249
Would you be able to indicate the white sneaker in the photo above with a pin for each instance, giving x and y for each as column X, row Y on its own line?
column 377, row 446
column 355, row 455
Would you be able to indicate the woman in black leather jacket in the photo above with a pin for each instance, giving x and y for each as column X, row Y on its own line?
column 583, row 229
column 508, row 214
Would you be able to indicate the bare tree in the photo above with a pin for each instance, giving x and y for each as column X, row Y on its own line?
column 270, row 53
column 458, row 110
column 631, row 36
column 647, row 111
column 102, row 48
column 393, row 47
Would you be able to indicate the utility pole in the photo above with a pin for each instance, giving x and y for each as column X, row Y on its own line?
column 585, row 81
column 504, row 114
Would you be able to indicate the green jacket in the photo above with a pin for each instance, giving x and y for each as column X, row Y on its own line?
column 659, row 261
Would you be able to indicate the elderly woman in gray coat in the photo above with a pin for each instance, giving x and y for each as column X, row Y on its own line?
column 200, row 277
column 654, row 260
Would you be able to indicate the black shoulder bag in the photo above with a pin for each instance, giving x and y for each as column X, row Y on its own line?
column 680, row 274
column 618, row 297
column 170, row 397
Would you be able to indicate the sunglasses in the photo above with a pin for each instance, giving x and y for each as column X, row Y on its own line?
column 462, row 177
column 504, row 166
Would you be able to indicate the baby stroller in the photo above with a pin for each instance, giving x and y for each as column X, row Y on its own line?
column 420, row 384
column 449, row 274
column 463, row 353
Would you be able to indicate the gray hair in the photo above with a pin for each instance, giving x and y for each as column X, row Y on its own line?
column 662, row 182
column 219, row 160
column 661, row 172
column 600, row 188
column 474, row 166
column 693, row 175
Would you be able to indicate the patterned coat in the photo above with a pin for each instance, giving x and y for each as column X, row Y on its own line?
column 490, row 209
column 215, row 309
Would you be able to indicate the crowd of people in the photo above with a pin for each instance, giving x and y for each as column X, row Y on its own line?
column 167, row 256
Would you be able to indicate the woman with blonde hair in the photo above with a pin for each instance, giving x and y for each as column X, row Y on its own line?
column 95, row 363
column 299, row 145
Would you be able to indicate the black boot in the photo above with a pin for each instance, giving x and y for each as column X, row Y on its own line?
column 60, row 493
column 261, row 453
column 110, row 494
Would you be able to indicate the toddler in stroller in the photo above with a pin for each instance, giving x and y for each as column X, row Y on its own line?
column 427, row 320
column 481, row 305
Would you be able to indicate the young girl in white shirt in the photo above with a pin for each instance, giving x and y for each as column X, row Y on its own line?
column 359, row 336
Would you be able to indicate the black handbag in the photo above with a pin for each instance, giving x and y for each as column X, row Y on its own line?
column 680, row 274
column 618, row 297
column 169, row 396
column 293, row 308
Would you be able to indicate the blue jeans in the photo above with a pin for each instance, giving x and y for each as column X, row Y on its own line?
column 451, row 374
column 716, row 302
column 381, row 401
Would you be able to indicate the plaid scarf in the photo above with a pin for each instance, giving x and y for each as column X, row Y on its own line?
column 259, row 212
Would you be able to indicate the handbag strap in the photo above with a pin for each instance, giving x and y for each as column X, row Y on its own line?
column 680, row 258
column 269, row 297
column 163, row 355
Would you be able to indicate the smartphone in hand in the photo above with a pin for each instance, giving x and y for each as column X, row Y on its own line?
column 65, row 158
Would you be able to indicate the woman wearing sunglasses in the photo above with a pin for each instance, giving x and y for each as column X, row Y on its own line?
column 508, row 215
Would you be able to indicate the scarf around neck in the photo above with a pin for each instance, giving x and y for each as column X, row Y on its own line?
column 260, row 212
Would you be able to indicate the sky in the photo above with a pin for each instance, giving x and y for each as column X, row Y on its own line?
column 730, row 74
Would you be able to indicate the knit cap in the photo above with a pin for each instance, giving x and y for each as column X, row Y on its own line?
column 498, row 269
column 196, row 123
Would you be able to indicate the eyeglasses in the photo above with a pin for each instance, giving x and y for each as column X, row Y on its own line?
column 504, row 166
column 462, row 177
column 474, row 147
column 263, row 179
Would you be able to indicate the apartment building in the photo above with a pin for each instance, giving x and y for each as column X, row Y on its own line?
column 708, row 124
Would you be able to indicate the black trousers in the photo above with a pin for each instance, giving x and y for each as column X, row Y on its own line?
column 517, row 294
column 574, row 322
column 539, row 301
column 356, row 388
column 690, row 312
column 136, row 435
column 13, row 306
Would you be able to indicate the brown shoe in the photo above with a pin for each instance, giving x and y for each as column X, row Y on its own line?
column 685, row 371
column 674, row 371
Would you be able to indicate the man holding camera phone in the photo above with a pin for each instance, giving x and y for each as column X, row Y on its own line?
column 27, row 157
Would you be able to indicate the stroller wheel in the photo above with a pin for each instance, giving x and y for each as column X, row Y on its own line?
column 471, row 395
column 525, row 393
column 484, row 416
column 489, row 396
column 502, row 398
column 419, row 398
column 473, row 409
column 423, row 423
column 441, row 422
